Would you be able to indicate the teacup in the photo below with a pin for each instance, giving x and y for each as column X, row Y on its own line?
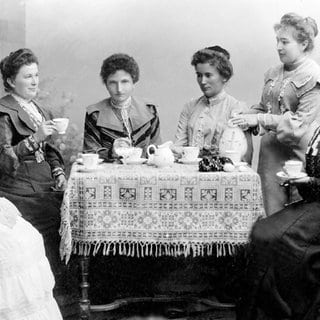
column 61, row 124
column 90, row 160
column 135, row 153
column 292, row 167
column 234, row 155
column 190, row 153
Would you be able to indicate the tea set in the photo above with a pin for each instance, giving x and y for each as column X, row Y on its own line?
column 233, row 145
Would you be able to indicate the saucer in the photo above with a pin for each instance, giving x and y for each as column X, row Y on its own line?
column 186, row 161
column 240, row 163
column 134, row 161
column 84, row 169
column 283, row 175
column 80, row 161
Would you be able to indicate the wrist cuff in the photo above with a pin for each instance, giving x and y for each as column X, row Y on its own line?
column 57, row 172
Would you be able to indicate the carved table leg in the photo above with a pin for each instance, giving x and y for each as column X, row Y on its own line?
column 84, row 286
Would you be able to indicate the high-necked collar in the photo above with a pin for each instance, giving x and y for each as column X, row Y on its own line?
column 215, row 100
column 140, row 114
column 295, row 65
column 124, row 104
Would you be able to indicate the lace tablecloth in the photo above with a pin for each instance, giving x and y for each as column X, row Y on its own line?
column 138, row 210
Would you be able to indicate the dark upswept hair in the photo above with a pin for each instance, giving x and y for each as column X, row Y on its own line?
column 217, row 57
column 306, row 29
column 11, row 64
column 119, row 61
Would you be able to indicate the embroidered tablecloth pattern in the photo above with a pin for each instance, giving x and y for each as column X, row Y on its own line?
column 141, row 210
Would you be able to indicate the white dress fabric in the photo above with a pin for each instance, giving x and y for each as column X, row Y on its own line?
column 26, row 280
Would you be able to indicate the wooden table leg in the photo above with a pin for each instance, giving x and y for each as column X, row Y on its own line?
column 84, row 302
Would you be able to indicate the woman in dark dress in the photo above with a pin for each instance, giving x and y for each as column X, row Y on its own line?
column 31, row 168
column 122, row 116
column 283, row 275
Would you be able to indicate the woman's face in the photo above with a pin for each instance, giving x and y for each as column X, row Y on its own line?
column 289, row 50
column 120, row 86
column 210, row 81
column 26, row 82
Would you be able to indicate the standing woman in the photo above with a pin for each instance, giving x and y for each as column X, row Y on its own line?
column 31, row 169
column 290, row 105
column 203, row 120
column 122, row 116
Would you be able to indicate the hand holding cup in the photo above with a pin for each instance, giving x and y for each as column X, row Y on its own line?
column 61, row 124
column 45, row 129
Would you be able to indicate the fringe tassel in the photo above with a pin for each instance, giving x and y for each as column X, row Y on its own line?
column 141, row 249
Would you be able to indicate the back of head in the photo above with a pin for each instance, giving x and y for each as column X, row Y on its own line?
column 11, row 64
column 306, row 29
column 119, row 61
column 217, row 57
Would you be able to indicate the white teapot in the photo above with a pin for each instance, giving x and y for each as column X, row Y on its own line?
column 162, row 155
column 233, row 142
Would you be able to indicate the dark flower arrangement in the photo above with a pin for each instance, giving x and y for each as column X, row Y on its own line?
column 70, row 143
column 211, row 161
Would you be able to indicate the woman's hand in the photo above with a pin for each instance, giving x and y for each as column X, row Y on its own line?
column 299, row 181
column 46, row 129
column 61, row 183
column 245, row 120
column 177, row 151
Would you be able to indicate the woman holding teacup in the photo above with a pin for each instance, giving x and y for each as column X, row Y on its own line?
column 31, row 168
column 283, row 272
column 122, row 119
column 203, row 120
column 289, row 110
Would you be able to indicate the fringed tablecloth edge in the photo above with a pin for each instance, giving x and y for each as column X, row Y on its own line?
column 156, row 249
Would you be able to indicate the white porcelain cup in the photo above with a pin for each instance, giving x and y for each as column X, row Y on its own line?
column 90, row 160
column 135, row 153
column 61, row 124
column 190, row 153
column 293, row 167
column 234, row 155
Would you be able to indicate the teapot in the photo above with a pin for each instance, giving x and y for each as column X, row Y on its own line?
column 233, row 142
column 162, row 155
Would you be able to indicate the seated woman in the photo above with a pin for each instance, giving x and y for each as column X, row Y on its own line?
column 283, row 275
column 122, row 115
column 203, row 120
column 31, row 168
column 25, row 275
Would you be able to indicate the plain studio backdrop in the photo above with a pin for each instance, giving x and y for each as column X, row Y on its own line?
column 71, row 39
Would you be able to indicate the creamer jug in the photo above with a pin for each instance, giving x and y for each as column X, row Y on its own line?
column 162, row 156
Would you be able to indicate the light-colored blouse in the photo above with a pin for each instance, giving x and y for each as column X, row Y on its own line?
column 291, row 103
column 202, row 121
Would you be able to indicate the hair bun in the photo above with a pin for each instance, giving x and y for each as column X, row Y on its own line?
column 312, row 24
column 220, row 50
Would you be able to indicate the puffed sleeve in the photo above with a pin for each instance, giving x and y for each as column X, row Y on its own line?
column 239, row 107
column 181, row 137
column 92, row 140
column 292, row 126
column 11, row 152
